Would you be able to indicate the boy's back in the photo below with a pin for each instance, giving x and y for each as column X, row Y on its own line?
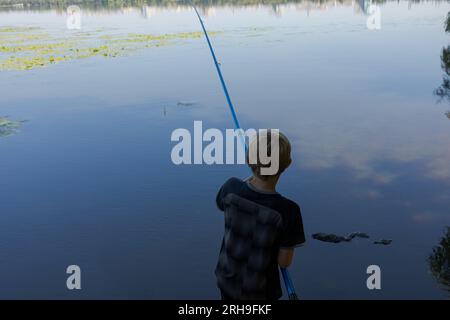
column 291, row 233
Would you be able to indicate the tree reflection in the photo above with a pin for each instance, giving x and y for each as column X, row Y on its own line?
column 118, row 4
column 443, row 92
column 439, row 261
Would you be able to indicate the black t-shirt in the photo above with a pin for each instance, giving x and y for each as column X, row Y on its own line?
column 292, row 233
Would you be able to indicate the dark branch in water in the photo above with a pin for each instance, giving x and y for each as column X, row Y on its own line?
column 330, row 237
column 383, row 242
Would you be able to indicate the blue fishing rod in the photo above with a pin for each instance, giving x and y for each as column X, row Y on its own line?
column 219, row 72
column 286, row 276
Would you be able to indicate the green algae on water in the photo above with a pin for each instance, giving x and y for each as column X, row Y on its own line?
column 8, row 127
column 17, row 29
column 26, row 48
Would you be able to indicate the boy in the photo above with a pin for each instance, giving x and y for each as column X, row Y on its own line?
column 237, row 269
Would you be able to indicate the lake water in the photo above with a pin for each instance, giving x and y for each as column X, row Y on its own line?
column 88, row 179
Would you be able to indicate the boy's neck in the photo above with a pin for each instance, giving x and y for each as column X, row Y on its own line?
column 267, row 185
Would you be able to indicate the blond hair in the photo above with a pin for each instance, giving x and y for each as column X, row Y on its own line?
column 265, row 137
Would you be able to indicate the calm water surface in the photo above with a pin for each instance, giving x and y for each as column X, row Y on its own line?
column 88, row 180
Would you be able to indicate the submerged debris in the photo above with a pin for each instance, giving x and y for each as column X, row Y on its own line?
column 383, row 242
column 186, row 103
column 8, row 127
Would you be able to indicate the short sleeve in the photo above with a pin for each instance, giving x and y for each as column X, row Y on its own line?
column 293, row 234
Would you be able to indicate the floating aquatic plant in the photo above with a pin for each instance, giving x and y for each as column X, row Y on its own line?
column 25, row 48
column 17, row 29
column 8, row 127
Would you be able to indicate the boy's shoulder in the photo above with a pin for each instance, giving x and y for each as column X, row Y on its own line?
column 292, row 206
column 233, row 180
column 232, row 183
